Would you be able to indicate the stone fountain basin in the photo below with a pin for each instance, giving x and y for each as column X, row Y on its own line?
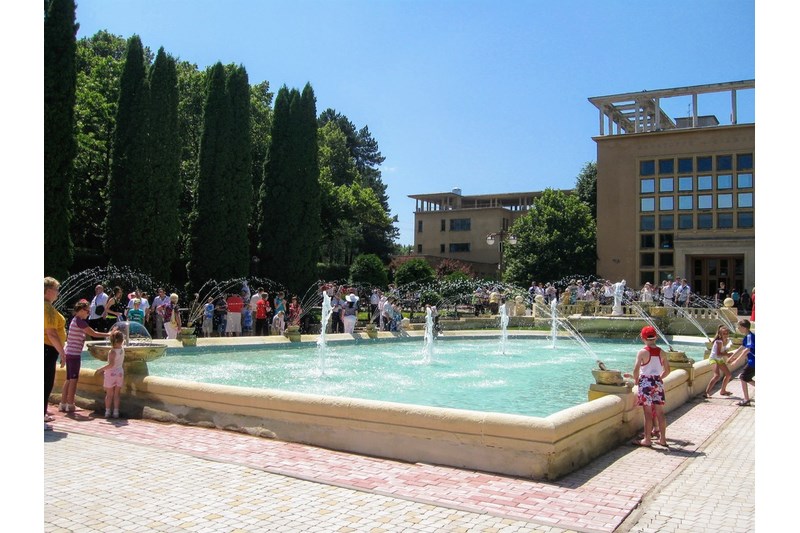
column 135, row 351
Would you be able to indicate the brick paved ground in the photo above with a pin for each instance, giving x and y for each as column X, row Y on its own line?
column 140, row 475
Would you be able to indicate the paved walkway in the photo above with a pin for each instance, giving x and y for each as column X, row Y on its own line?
column 140, row 475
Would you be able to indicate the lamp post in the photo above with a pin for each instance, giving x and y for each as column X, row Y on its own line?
column 501, row 237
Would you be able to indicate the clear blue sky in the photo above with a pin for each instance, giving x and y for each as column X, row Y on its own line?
column 489, row 96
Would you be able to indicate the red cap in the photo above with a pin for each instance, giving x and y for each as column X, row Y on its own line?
column 649, row 332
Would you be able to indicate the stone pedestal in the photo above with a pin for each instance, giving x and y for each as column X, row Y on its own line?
column 372, row 331
column 187, row 337
column 597, row 390
column 686, row 365
column 293, row 333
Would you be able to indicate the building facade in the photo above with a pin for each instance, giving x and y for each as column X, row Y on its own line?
column 675, row 198
column 450, row 225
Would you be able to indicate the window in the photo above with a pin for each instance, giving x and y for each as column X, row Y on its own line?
column 745, row 199
column 724, row 162
column 686, row 202
column 666, row 166
column 647, row 168
column 666, row 203
column 646, row 277
column 647, row 186
column 704, row 164
column 685, row 221
column 666, row 259
column 685, row 183
column 648, row 204
column 443, row 225
column 724, row 220
column 725, row 181
column 458, row 247
column 744, row 181
column 705, row 221
column 705, row 183
column 724, row 201
column 744, row 220
column 685, row 165
column 647, row 223
column 419, row 226
column 665, row 241
column 419, row 248
column 704, row 201
column 441, row 248
column 647, row 260
column 460, row 224
column 744, row 161
column 647, row 240
column 666, row 185
column 666, row 222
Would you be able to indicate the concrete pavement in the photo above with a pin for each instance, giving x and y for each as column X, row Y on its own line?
column 140, row 475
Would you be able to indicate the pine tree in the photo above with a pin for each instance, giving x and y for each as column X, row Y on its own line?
column 59, row 141
column 129, row 206
column 310, row 196
column 163, row 224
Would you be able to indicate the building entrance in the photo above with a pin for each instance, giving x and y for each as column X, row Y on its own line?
column 708, row 271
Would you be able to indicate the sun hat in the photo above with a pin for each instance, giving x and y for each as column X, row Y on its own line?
column 352, row 298
column 649, row 332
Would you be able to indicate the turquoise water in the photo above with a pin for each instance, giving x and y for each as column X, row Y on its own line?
column 531, row 378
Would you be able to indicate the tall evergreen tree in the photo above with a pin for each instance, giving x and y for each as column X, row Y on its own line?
column 129, row 207
column 207, row 236
column 219, row 247
column 239, row 189
column 290, row 198
column 163, row 224
column 59, row 146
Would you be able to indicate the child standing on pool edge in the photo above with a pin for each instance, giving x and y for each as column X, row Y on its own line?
column 649, row 372
column 113, row 375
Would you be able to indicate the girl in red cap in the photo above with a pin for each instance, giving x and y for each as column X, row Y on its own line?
column 649, row 372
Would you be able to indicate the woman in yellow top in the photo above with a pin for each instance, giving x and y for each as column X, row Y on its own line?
column 55, row 336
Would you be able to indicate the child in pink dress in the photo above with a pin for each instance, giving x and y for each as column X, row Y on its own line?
column 113, row 374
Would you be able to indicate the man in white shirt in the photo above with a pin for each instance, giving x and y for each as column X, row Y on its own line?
column 97, row 309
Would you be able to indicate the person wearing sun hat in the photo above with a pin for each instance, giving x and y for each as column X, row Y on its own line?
column 349, row 311
column 649, row 372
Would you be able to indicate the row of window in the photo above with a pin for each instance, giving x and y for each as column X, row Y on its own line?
column 688, row 221
column 701, row 183
column 703, row 201
column 456, row 224
column 696, row 164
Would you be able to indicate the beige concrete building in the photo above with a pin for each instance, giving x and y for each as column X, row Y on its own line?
column 472, row 229
column 675, row 198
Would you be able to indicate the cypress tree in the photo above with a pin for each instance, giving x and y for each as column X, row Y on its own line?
column 239, row 188
column 163, row 222
column 59, row 140
column 274, row 197
column 208, row 246
column 129, row 209
column 310, row 196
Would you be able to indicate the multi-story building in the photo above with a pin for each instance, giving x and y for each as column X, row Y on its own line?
column 472, row 229
column 675, row 198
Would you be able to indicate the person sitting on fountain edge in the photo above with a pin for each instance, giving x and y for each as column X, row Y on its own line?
column 649, row 372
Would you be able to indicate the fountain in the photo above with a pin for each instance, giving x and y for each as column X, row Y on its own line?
column 688, row 316
column 503, row 328
column 322, row 342
column 556, row 320
column 427, row 347
column 139, row 347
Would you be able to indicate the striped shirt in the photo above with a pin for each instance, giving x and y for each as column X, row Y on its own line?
column 76, row 337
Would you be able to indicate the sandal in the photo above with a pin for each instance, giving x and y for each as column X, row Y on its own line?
column 49, row 418
column 743, row 403
column 642, row 443
column 726, row 393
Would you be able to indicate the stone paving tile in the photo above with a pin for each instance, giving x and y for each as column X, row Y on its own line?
column 252, row 483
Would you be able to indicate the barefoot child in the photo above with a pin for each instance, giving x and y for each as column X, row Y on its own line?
column 78, row 329
column 719, row 358
column 649, row 372
column 112, row 373
column 748, row 349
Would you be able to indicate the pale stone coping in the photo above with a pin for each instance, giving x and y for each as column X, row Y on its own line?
column 536, row 447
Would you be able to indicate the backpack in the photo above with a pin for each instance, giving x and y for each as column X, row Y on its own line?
column 167, row 312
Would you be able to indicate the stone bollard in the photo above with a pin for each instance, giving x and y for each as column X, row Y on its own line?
column 608, row 382
column 293, row 333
